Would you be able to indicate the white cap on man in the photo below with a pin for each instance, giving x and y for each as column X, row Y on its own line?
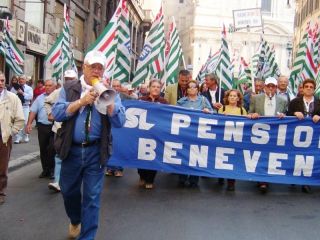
column 95, row 56
column 70, row 74
column 271, row 80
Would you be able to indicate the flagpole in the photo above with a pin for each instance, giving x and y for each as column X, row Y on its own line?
column 250, row 54
column 220, row 77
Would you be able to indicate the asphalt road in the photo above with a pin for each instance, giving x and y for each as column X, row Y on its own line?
column 32, row 212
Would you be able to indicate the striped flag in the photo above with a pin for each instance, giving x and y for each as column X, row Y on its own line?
column 244, row 77
column 298, row 64
column 151, row 60
column 223, row 68
column 122, row 66
column 264, row 62
column 60, row 55
column 174, row 55
column 106, row 42
column 212, row 62
column 8, row 48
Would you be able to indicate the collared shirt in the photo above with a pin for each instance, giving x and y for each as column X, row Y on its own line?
column 308, row 107
column 38, row 108
column 285, row 95
column 60, row 114
column 269, row 106
column 200, row 103
column 213, row 95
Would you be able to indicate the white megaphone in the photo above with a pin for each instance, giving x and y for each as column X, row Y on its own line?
column 106, row 95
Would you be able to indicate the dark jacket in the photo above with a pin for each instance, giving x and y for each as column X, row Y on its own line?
column 208, row 95
column 63, row 139
column 297, row 105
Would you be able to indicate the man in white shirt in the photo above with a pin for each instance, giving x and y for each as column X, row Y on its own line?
column 267, row 104
column 25, row 93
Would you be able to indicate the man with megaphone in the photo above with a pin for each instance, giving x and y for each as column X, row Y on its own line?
column 87, row 110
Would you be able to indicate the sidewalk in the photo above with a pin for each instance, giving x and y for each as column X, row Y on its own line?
column 25, row 153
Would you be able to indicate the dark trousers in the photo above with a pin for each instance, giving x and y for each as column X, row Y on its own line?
column 147, row 175
column 47, row 152
column 5, row 150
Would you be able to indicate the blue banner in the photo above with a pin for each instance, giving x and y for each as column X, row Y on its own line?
column 179, row 140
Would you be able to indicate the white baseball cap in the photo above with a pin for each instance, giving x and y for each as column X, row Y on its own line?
column 271, row 80
column 70, row 74
column 95, row 56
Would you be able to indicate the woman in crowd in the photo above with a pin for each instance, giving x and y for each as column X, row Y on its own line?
column 193, row 101
column 232, row 100
column 147, row 176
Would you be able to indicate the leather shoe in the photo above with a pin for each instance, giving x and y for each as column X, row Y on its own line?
column 220, row 181
column 263, row 188
column 306, row 189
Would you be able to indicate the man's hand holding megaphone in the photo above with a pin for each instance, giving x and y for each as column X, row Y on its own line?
column 103, row 92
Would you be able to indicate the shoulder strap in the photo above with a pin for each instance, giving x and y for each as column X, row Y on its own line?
column 241, row 110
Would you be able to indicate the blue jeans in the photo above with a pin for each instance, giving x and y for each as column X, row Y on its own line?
column 57, row 168
column 82, row 170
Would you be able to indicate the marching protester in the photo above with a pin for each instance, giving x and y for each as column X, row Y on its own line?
column 178, row 90
column 232, row 106
column 147, row 176
column 117, row 171
column 13, row 83
column 45, row 134
column 25, row 93
column 143, row 90
column 82, row 143
column 69, row 75
column 258, row 88
column 39, row 89
column 267, row 104
column 193, row 101
column 11, row 121
column 306, row 106
column 215, row 93
column 283, row 91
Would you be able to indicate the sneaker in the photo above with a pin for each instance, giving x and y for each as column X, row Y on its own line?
column 26, row 139
column 54, row 186
column 149, row 186
column 17, row 141
column 74, row 230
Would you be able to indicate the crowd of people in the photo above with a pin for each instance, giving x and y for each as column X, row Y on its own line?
column 75, row 137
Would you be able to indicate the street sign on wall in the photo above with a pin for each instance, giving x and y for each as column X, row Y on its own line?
column 244, row 18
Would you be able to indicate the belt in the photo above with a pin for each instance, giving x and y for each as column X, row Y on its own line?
column 86, row 144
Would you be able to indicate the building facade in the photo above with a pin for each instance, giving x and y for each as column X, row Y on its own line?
column 200, row 24
column 36, row 24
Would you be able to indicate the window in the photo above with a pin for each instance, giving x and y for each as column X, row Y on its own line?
column 266, row 5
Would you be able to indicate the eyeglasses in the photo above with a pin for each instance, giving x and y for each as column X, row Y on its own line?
column 308, row 86
column 192, row 87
